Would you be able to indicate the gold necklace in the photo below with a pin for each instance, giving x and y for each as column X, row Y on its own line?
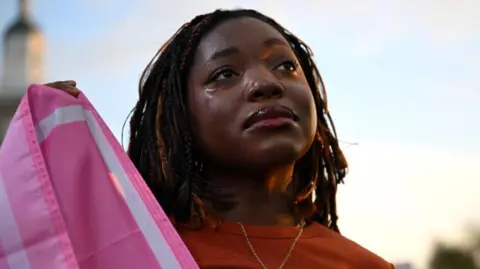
column 285, row 259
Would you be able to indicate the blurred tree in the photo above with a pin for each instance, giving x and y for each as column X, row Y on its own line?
column 465, row 256
column 452, row 257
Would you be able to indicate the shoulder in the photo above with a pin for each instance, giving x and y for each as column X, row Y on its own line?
column 353, row 254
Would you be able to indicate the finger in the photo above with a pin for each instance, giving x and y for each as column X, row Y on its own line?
column 57, row 85
column 62, row 84
column 66, row 86
column 71, row 83
column 73, row 91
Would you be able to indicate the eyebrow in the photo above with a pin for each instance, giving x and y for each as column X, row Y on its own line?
column 274, row 41
column 233, row 50
column 223, row 53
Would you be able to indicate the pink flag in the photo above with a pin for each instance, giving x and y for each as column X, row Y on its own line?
column 70, row 197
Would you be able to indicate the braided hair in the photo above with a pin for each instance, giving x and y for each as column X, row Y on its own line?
column 163, row 150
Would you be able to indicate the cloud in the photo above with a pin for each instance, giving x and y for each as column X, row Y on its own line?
column 133, row 40
column 366, row 28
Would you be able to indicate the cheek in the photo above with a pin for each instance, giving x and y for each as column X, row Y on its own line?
column 308, row 102
column 213, row 118
column 313, row 111
column 307, row 113
column 312, row 119
column 302, row 96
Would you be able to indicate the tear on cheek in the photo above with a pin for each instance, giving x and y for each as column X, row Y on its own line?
column 210, row 91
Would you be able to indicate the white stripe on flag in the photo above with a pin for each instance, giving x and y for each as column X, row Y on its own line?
column 60, row 116
column 162, row 251
column 165, row 257
column 10, row 238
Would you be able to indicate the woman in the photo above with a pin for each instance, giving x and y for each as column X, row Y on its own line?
column 233, row 136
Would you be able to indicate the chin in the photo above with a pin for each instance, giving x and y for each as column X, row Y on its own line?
column 279, row 152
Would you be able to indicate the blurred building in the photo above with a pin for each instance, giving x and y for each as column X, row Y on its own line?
column 23, row 49
column 403, row 266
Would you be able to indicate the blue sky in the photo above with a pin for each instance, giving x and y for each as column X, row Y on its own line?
column 402, row 80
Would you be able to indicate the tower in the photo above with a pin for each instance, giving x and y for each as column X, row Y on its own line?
column 23, row 47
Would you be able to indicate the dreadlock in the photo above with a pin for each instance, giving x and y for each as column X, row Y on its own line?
column 161, row 144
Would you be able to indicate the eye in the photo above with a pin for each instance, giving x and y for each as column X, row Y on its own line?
column 223, row 74
column 287, row 66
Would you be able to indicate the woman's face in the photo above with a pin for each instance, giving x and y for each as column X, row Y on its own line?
column 249, row 100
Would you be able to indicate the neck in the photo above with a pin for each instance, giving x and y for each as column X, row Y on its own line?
column 259, row 199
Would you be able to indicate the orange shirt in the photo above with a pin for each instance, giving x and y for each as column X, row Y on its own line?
column 318, row 247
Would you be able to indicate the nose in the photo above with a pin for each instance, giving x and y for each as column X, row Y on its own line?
column 263, row 86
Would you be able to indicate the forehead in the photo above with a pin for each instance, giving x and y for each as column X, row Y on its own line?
column 240, row 33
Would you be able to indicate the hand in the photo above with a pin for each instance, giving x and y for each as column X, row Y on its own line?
column 68, row 86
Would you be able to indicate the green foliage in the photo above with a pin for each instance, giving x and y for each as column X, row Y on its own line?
column 464, row 256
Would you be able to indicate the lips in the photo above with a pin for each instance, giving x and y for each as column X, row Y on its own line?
column 278, row 113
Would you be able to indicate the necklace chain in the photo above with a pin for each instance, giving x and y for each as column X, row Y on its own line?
column 289, row 252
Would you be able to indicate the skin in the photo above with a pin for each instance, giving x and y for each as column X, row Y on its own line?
column 69, row 86
column 241, row 66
